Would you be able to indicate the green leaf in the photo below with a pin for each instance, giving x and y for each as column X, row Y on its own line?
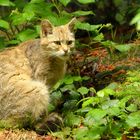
column 132, row 108
column 105, row 92
column 84, row 110
column 28, row 15
column 91, row 101
column 133, row 120
column 27, row 34
column 17, row 18
column 67, row 88
column 113, row 111
column 99, row 37
column 72, row 120
column 2, row 42
column 83, row 90
column 70, row 105
column 86, row 26
column 95, row 117
column 36, row 1
column 136, row 19
column 6, row 3
column 77, row 78
column 109, row 103
column 86, row 1
column 65, row 2
column 4, row 24
column 12, row 42
column 123, row 101
column 68, row 80
column 123, row 47
column 82, row 13
column 112, row 86
column 138, row 26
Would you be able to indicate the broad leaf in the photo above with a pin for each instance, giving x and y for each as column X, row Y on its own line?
column 27, row 34
column 87, row 26
column 123, row 47
column 83, row 90
column 133, row 120
column 72, row 120
column 97, row 114
column 4, row 24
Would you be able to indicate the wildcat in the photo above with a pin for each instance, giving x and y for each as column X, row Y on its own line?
column 30, row 70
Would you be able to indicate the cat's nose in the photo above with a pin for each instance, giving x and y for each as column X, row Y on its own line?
column 66, row 51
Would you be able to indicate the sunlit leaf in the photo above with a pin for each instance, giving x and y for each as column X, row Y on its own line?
column 4, row 24
column 86, row 1
column 133, row 120
column 83, row 90
column 136, row 19
column 123, row 47
column 97, row 114
column 105, row 92
column 27, row 34
column 87, row 26
column 91, row 101
column 65, row 2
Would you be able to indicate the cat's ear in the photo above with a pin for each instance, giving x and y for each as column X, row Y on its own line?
column 46, row 28
column 71, row 24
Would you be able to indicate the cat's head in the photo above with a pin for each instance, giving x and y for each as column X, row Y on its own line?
column 57, row 41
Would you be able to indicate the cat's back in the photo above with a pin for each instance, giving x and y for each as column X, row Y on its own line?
column 13, row 60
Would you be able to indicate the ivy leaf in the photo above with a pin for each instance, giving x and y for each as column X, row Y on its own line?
column 65, row 2
column 86, row 1
column 6, row 3
column 83, row 90
column 4, row 24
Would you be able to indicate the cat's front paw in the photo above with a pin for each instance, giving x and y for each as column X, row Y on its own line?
column 53, row 122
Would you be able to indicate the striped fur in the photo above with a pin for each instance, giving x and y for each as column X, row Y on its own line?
column 30, row 70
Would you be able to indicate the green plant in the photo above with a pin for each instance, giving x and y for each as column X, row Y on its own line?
column 111, row 113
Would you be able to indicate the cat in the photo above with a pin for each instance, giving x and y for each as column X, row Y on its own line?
column 29, row 71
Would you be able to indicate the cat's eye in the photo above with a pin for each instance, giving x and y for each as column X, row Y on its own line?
column 69, row 42
column 57, row 42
